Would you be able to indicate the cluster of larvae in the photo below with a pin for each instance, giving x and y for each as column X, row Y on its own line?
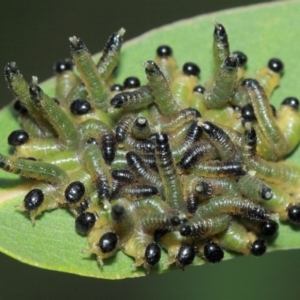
column 170, row 165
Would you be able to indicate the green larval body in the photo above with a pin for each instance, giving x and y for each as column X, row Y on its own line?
column 170, row 166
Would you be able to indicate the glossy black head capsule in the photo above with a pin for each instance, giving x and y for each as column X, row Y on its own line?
column 80, row 107
column 231, row 62
column 141, row 122
column 131, row 82
column 175, row 221
column 117, row 88
column 164, row 51
column 266, row 193
column 247, row 82
column 152, row 254
column 294, row 213
column 292, row 102
column 18, row 137
column 74, row 192
column 108, row 242
column 241, row 57
column 119, row 100
column 114, row 42
column 191, row 69
column 186, row 255
column 199, row 89
column 185, row 230
column 276, row 65
column 269, row 228
column 76, row 44
column 85, row 222
column 19, row 107
column 213, row 253
column 10, row 70
column 258, row 213
column 63, row 65
column 247, row 113
column 33, row 199
column 258, row 247
column 220, row 32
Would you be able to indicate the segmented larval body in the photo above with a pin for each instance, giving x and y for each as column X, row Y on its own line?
column 192, row 169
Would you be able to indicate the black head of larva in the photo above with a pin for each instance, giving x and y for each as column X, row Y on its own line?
column 19, row 107
column 76, row 44
column 33, row 199
column 220, row 32
column 191, row 69
column 266, row 193
column 247, row 113
column 117, row 88
column 131, row 82
column 152, row 254
column 83, row 203
column 186, row 255
column 141, row 122
column 213, row 253
column 175, row 221
column 118, row 100
column 108, row 242
column 114, row 42
column 74, row 191
column 258, row 247
column 63, row 66
column 185, row 230
column 269, row 228
column 85, row 222
column 294, row 213
column 231, row 62
column 35, row 92
column 18, row 137
column 199, row 89
column 80, row 107
column 276, row 65
column 11, row 69
column 241, row 57
column 249, row 82
column 164, row 51
column 292, row 102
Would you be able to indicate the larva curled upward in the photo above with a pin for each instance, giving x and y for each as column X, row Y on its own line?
column 173, row 165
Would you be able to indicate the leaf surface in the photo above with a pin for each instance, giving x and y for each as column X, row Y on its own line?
column 262, row 32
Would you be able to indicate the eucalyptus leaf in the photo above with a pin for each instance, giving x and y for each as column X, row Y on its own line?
column 263, row 31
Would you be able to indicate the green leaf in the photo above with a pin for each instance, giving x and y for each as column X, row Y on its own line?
column 262, row 32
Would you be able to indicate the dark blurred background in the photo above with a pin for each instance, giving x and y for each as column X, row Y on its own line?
column 35, row 35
